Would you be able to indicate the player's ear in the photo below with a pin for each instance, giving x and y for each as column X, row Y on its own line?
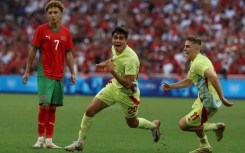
column 61, row 14
column 197, row 48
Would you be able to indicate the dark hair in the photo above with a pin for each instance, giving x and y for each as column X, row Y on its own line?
column 194, row 39
column 54, row 3
column 120, row 30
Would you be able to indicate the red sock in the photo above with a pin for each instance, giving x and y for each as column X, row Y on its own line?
column 42, row 120
column 50, row 123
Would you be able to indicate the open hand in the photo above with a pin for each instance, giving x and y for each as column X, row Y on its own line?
column 166, row 87
column 226, row 102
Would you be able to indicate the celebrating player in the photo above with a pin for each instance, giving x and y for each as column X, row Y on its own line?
column 210, row 96
column 122, row 89
column 54, row 43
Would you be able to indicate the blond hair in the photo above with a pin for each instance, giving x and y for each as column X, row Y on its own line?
column 54, row 3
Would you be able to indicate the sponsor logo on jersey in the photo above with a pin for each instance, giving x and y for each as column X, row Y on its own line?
column 48, row 36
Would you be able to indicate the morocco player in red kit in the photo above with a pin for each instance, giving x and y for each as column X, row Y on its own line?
column 54, row 43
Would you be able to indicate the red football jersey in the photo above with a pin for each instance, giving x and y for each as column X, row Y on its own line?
column 53, row 46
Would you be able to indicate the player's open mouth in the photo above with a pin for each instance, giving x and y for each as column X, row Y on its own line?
column 186, row 54
column 117, row 45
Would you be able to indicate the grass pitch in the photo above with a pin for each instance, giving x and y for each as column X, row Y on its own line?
column 109, row 133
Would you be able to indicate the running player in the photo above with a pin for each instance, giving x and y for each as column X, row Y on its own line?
column 210, row 96
column 122, row 89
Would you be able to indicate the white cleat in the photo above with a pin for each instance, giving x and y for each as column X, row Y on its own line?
column 74, row 146
column 156, row 131
column 39, row 144
column 51, row 146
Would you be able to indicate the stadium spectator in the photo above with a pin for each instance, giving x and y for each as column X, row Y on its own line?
column 154, row 26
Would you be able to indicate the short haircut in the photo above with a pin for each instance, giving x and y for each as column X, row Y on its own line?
column 194, row 39
column 120, row 30
column 54, row 3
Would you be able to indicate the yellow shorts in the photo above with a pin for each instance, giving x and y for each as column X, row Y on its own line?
column 199, row 114
column 128, row 103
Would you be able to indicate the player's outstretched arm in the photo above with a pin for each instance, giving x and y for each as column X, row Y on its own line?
column 181, row 84
column 166, row 87
column 215, row 82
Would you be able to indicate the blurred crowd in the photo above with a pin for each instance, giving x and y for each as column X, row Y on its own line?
column 157, row 31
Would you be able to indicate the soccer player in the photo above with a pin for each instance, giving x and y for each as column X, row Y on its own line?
column 121, row 89
column 210, row 95
column 54, row 43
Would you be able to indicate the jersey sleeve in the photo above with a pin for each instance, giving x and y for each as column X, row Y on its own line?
column 200, row 68
column 36, row 41
column 197, row 69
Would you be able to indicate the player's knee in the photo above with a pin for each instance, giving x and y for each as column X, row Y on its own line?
column 90, row 112
column 182, row 126
column 132, row 122
column 132, row 125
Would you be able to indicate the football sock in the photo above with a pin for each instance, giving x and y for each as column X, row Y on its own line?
column 209, row 126
column 41, row 139
column 49, row 140
column 204, row 141
column 42, row 120
column 85, row 126
column 50, row 123
column 145, row 124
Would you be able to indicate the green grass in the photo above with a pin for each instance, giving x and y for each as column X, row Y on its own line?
column 109, row 133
